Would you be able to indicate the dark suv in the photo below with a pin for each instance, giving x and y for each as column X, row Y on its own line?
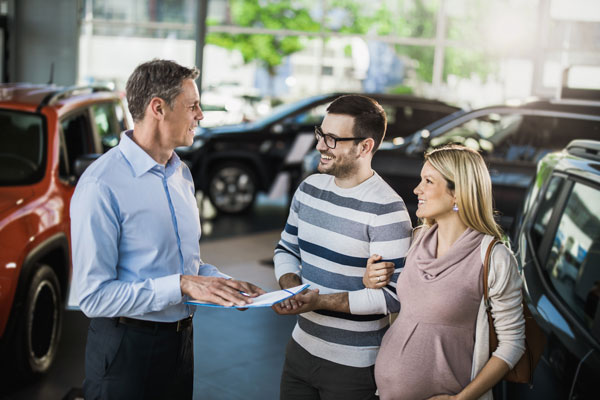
column 48, row 135
column 558, row 249
column 232, row 163
column 511, row 138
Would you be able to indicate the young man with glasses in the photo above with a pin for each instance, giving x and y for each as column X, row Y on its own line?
column 337, row 220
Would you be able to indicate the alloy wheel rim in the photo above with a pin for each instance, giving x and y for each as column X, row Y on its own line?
column 232, row 189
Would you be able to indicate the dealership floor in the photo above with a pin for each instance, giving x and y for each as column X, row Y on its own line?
column 238, row 355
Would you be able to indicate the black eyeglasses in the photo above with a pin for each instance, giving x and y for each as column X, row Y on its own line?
column 330, row 140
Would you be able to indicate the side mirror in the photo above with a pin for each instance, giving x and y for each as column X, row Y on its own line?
column 81, row 163
column 109, row 141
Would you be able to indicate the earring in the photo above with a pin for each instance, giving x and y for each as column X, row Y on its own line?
column 455, row 208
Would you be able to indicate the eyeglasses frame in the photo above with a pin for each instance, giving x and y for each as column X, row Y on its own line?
column 319, row 133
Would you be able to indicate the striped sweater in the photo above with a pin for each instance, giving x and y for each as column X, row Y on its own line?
column 329, row 235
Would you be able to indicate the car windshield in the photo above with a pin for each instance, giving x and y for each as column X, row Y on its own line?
column 22, row 148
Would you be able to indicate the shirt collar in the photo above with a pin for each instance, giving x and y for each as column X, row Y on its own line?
column 140, row 161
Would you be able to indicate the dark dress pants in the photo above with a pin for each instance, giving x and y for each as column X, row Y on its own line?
column 130, row 362
column 306, row 377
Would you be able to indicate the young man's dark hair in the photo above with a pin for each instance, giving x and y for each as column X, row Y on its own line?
column 369, row 116
column 155, row 78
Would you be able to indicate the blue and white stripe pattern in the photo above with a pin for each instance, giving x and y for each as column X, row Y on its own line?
column 329, row 235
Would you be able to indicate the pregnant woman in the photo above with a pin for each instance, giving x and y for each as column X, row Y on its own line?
column 438, row 346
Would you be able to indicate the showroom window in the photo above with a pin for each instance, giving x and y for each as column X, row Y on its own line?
column 458, row 51
column 573, row 265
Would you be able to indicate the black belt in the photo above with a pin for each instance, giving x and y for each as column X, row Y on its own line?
column 177, row 326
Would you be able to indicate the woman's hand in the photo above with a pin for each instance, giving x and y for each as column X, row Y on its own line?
column 442, row 397
column 377, row 274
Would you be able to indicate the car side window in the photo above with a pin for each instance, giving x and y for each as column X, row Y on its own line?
column 539, row 135
column 545, row 209
column 22, row 148
column 121, row 116
column 106, row 119
column 76, row 131
column 573, row 265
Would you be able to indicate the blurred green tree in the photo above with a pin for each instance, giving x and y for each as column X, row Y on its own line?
column 269, row 50
column 400, row 18
column 418, row 19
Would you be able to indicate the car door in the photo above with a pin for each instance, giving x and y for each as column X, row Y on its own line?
column 562, row 277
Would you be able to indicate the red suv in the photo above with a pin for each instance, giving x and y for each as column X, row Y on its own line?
column 48, row 136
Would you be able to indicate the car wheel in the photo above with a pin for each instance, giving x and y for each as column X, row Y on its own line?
column 39, row 324
column 232, row 188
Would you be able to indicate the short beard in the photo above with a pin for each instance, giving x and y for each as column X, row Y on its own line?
column 343, row 170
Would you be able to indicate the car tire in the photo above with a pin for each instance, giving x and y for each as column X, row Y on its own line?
column 39, row 324
column 232, row 187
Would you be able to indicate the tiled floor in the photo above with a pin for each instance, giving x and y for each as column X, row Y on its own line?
column 238, row 354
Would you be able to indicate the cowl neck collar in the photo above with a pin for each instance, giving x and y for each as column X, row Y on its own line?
column 432, row 268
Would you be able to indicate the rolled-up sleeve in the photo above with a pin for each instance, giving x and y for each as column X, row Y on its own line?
column 389, row 235
column 506, row 306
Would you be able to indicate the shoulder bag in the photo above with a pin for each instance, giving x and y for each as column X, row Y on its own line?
column 535, row 340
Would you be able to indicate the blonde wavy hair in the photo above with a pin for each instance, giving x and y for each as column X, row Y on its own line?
column 467, row 175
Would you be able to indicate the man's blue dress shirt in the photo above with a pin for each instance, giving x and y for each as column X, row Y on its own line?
column 135, row 229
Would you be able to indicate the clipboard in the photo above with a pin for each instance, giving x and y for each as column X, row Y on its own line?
column 264, row 300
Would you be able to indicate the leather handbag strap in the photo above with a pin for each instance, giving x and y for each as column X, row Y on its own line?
column 535, row 339
column 486, row 270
